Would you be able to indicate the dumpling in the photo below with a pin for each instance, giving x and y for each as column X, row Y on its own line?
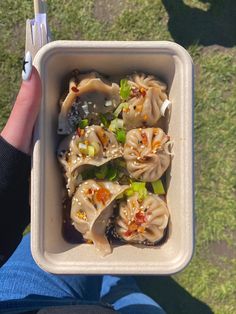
column 147, row 97
column 92, row 206
column 90, row 146
column 92, row 93
column 142, row 221
column 146, row 153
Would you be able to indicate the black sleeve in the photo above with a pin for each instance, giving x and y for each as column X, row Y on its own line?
column 14, row 197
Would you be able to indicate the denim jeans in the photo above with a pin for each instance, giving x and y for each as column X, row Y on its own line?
column 24, row 287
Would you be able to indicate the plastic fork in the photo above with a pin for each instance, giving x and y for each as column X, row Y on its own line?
column 37, row 30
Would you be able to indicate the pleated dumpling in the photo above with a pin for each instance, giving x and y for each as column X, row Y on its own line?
column 92, row 206
column 146, row 153
column 92, row 146
column 142, row 221
column 92, row 93
column 147, row 97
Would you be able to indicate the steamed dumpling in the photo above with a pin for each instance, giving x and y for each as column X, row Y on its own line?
column 95, row 94
column 142, row 221
column 146, row 153
column 92, row 206
column 147, row 96
column 90, row 146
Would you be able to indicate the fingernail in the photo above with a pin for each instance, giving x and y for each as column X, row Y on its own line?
column 27, row 66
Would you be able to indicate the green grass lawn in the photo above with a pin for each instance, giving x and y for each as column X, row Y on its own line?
column 207, row 29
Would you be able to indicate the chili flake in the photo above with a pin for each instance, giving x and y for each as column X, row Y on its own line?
column 141, row 229
column 127, row 233
column 139, row 108
column 126, row 109
column 80, row 132
column 156, row 145
column 144, row 138
column 74, row 89
column 140, row 218
column 143, row 91
column 145, row 117
column 103, row 195
column 133, row 226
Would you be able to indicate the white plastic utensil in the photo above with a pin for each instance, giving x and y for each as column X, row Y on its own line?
column 37, row 30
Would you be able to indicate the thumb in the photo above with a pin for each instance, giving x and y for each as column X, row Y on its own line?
column 19, row 128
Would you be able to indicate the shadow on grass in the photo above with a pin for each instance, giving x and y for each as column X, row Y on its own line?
column 171, row 296
column 189, row 25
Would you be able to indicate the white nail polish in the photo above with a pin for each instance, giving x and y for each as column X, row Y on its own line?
column 27, row 66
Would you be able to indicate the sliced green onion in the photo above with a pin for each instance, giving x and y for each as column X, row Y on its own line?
column 96, row 147
column 83, row 123
column 104, row 120
column 116, row 124
column 113, row 125
column 140, row 187
column 111, row 174
column 101, row 172
column 121, row 136
column 129, row 192
column 125, row 89
column 120, row 108
column 158, row 187
column 91, row 151
column 83, row 148
column 137, row 187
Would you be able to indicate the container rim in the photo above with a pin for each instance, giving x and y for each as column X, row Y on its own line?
column 120, row 45
column 47, row 51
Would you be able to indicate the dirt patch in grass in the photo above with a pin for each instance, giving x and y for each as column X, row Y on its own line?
column 219, row 251
column 108, row 10
column 218, row 48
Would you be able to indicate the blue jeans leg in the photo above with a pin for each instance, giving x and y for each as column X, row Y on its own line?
column 125, row 296
column 21, row 277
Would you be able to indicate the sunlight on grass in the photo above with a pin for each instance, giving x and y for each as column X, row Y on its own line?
column 211, row 276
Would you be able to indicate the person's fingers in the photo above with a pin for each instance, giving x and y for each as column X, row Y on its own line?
column 19, row 127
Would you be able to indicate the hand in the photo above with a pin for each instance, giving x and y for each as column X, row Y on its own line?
column 19, row 128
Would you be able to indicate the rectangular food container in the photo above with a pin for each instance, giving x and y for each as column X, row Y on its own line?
column 173, row 65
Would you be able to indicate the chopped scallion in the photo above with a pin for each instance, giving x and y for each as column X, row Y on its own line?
column 121, row 136
column 91, row 151
column 116, row 124
column 96, row 147
column 111, row 174
column 83, row 148
column 125, row 89
column 158, row 187
column 83, row 123
column 120, row 108
column 137, row 187
column 104, row 120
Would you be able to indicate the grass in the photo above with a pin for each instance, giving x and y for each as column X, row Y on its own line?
column 208, row 284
